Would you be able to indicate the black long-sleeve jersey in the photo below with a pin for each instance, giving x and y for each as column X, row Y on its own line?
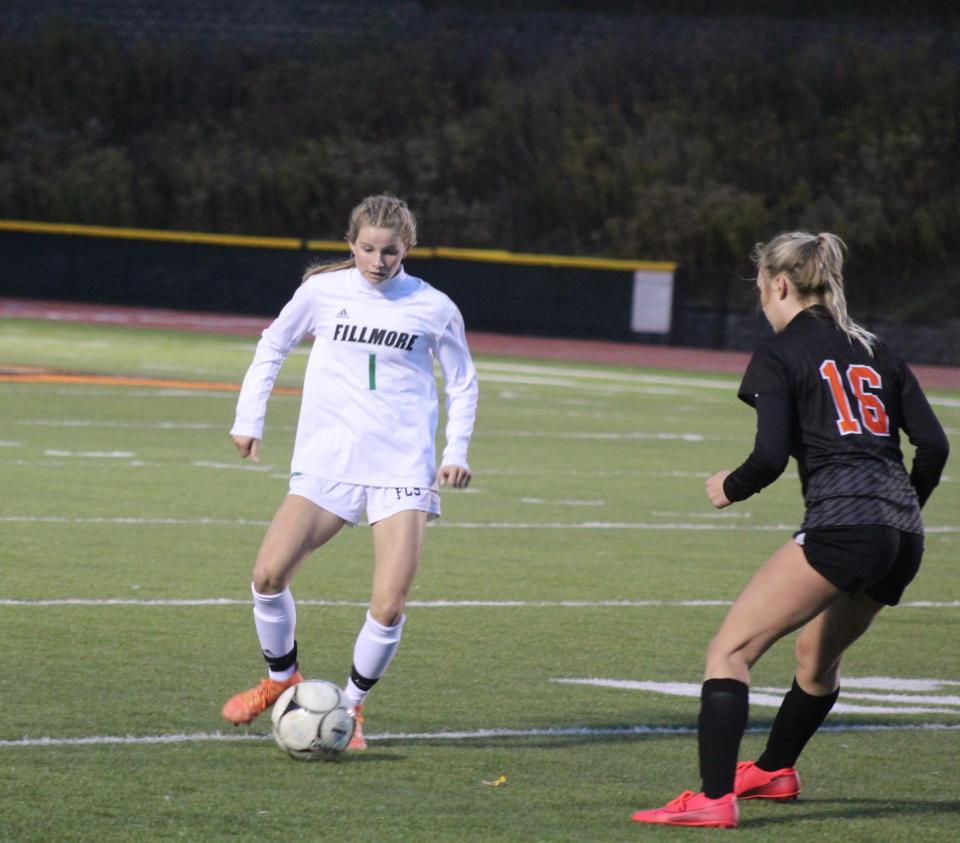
column 839, row 410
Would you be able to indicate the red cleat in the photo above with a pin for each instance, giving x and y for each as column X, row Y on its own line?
column 694, row 809
column 753, row 783
column 248, row 705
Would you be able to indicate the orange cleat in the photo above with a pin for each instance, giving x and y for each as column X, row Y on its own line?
column 694, row 809
column 753, row 783
column 246, row 706
column 358, row 742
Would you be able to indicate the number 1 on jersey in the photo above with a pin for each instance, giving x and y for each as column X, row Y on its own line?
column 373, row 371
column 872, row 412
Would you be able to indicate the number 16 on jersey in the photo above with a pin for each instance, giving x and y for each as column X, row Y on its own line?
column 860, row 379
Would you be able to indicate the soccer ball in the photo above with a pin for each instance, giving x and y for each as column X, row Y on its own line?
column 313, row 720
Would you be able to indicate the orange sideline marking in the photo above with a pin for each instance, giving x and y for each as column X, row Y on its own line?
column 27, row 376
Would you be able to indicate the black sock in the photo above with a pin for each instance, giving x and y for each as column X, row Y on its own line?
column 723, row 717
column 800, row 715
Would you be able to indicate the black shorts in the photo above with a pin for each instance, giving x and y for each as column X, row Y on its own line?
column 874, row 560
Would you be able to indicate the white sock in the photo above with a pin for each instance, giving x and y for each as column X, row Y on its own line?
column 372, row 653
column 275, row 616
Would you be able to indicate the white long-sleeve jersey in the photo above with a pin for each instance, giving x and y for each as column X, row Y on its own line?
column 369, row 410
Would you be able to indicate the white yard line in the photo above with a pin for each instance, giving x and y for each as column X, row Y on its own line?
column 660, row 436
column 545, row 501
column 607, row 375
column 138, row 521
column 233, row 466
column 418, row 604
column 151, row 392
column 124, row 425
column 847, row 703
column 451, row 736
column 437, row 525
column 98, row 423
column 90, row 454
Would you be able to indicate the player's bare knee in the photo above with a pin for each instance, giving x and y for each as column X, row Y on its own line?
column 817, row 679
column 266, row 581
column 387, row 612
column 724, row 655
column 719, row 648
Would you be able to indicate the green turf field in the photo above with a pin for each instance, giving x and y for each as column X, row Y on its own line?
column 585, row 551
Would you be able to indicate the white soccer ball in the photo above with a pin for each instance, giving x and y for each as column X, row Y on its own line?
column 313, row 720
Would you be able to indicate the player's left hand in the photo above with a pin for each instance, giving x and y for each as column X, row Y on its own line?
column 715, row 490
column 454, row 475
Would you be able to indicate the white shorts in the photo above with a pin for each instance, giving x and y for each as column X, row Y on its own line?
column 348, row 500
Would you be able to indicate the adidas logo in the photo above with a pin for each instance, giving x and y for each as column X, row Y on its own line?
column 343, row 314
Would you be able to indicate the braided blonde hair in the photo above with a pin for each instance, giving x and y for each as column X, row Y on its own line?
column 380, row 211
column 814, row 265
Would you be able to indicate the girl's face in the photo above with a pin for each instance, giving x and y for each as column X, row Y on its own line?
column 378, row 253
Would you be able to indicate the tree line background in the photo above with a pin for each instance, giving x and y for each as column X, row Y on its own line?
column 676, row 138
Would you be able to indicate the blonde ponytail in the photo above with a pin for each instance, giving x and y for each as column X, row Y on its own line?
column 814, row 265
column 327, row 266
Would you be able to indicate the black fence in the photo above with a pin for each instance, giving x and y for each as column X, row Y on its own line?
column 711, row 307
column 515, row 298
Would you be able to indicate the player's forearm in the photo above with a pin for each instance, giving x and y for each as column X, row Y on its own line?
column 771, row 450
column 255, row 391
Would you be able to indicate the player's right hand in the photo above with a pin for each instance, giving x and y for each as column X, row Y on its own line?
column 248, row 447
column 715, row 489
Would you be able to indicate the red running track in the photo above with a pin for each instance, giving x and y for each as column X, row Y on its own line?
column 583, row 351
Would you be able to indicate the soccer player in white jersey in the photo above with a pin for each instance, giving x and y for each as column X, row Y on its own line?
column 365, row 439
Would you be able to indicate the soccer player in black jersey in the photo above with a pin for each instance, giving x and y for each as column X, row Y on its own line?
column 833, row 396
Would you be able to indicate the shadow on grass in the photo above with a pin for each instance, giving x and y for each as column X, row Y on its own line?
column 593, row 736
column 369, row 755
column 843, row 809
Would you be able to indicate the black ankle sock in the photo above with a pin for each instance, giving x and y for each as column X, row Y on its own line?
column 799, row 717
column 723, row 717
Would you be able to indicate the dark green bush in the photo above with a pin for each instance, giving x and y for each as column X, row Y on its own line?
column 683, row 139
